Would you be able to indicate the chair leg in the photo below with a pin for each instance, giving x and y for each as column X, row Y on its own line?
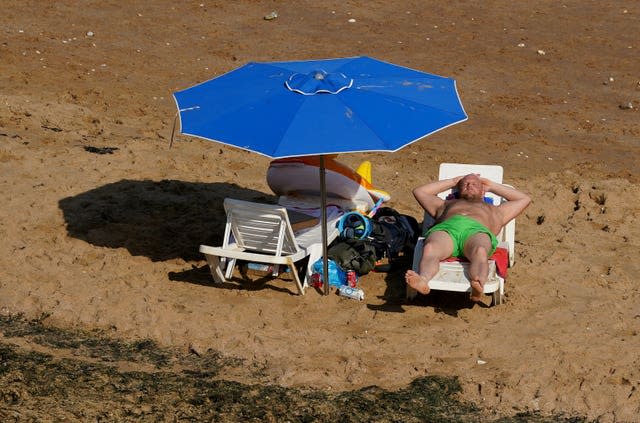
column 294, row 272
column 276, row 270
column 498, row 295
column 230, row 265
column 411, row 293
column 216, row 268
column 417, row 255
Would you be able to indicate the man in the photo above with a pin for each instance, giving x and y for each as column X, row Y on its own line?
column 465, row 227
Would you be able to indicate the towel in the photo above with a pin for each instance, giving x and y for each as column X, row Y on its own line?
column 500, row 256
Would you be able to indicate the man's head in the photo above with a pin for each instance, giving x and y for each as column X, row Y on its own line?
column 471, row 188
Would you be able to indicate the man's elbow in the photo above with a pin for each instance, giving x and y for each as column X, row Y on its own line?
column 418, row 192
column 524, row 202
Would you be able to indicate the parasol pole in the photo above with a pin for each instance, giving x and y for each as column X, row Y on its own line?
column 323, row 215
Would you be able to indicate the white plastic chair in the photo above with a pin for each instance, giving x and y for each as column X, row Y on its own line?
column 453, row 276
column 262, row 233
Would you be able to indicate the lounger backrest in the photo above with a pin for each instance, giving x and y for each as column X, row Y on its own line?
column 450, row 170
column 263, row 228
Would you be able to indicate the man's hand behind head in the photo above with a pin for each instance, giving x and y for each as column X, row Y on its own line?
column 486, row 183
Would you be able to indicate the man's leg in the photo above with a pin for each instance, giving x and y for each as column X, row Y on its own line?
column 438, row 246
column 476, row 250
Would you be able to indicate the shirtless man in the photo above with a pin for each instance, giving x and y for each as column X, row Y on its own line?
column 466, row 226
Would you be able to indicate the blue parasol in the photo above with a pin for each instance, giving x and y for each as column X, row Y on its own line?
column 319, row 107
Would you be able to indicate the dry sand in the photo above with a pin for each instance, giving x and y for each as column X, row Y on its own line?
column 110, row 241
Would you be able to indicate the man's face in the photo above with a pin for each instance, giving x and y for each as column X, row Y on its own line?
column 471, row 188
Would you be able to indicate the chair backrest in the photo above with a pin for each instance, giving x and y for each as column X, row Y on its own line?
column 257, row 227
column 450, row 170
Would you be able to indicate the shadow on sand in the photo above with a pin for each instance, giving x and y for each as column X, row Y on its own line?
column 395, row 300
column 253, row 281
column 160, row 220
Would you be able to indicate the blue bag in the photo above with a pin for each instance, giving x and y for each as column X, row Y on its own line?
column 337, row 276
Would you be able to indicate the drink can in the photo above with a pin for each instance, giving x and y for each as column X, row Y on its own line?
column 316, row 280
column 352, row 278
column 349, row 292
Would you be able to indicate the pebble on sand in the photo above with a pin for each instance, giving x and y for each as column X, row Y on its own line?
column 270, row 16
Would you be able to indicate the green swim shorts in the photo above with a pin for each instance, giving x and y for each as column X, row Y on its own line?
column 460, row 228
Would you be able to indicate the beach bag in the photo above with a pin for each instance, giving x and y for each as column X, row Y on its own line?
column 393, row 233
column 337, row 276
column 354, row 254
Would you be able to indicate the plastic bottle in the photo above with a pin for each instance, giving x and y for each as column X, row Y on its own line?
column 349, row 292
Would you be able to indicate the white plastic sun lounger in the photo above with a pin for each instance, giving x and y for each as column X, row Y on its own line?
column 262, row 233
column 453, row 276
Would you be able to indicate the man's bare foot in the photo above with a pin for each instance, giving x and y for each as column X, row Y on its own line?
column 477, row 289
column 417, row 282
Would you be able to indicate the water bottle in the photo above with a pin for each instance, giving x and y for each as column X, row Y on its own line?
column 349, row 292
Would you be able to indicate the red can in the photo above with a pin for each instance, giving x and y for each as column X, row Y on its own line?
column 316, row 280
column 352, row 278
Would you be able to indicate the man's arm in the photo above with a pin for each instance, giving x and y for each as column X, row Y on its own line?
column 427, row 194
column 516, row 202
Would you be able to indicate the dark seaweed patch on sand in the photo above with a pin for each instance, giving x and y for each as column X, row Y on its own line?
column 48, row 373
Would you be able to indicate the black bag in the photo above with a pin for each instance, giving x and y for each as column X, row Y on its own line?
column 393, row 233
column 354, row 254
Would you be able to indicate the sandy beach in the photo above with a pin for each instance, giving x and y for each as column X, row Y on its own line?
column 101, row 220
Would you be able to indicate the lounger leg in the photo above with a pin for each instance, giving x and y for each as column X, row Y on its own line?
column 411, row 293
column 294, row 272
column 216, row 268
column 276, row 270
column 417, row 255
column 315, row 253
column 498, row 295
column 230, row 265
